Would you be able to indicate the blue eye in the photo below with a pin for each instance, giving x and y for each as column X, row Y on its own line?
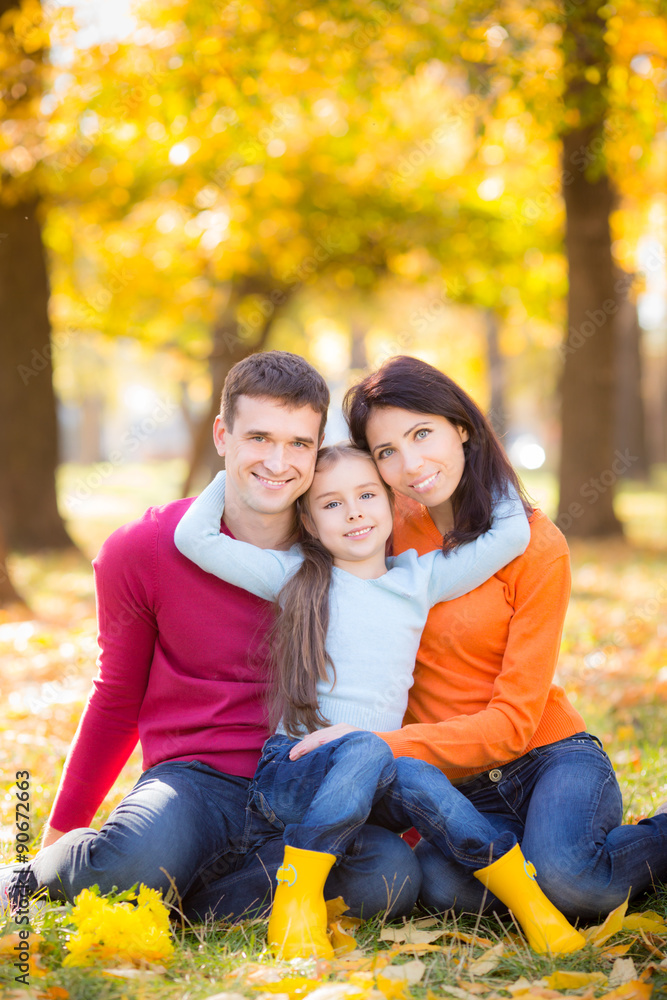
column 385, row 453
column 421, row 434
column 367, row 496
column 332, row 504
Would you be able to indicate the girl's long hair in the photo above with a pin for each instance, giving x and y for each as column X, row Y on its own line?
column 411, row 384
column 299, row 656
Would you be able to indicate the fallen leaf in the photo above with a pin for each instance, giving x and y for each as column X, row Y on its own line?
column 336, row 908
column 469, row 939
column 410, row 972
column 648, row 944
column 292, row 986
column 623, row 971
column 612, row 925
column 410, row 935
column 416, row 949
column 629, row 991
column 563, row 980
column 487, row 962
column 133, row 973
column 336, row 991
column 614, row 950
column 226, row 996
column 649, row 920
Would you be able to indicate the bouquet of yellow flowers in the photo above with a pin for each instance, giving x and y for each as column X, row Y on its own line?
column 134, row 930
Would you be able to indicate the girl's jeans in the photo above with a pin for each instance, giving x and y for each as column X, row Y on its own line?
column 321, row 800
column 185, row 829
column 563, row 803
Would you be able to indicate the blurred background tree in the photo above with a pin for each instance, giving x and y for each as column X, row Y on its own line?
column 480, row 184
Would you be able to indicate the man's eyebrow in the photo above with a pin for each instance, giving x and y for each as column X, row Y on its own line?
column 335, row 493
column 256, row 432
column 387, row 444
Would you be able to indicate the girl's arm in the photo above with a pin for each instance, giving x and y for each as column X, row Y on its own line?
column 198, row 536
column 466, row 567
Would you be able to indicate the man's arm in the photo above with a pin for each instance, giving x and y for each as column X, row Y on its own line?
column 125, row 571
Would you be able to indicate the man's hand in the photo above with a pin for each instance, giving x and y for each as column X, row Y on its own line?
column 319, row 738
column 50, row 835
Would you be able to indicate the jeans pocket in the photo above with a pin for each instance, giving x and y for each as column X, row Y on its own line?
column 262, row 805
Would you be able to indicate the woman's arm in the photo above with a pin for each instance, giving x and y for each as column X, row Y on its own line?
column 468, row 566
column 538, row 586
column 198, row 536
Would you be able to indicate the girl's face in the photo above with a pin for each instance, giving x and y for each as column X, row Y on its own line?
column 350, row 511
column 418, row 454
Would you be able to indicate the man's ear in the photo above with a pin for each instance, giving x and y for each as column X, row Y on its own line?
column 220, row 435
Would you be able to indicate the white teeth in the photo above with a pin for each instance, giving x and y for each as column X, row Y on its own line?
column 355, row 534
column 425, row 483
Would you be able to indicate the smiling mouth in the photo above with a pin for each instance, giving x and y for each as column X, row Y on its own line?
column 271, row 484
column 359, row 533
column 425, row 484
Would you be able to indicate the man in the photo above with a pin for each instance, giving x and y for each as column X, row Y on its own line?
column 183, row 669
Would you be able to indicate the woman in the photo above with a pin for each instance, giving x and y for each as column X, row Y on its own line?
column 483, row 707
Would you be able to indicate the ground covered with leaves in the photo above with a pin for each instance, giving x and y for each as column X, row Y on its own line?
column 613, row 665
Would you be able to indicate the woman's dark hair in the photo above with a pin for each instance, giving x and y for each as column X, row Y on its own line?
column 299, row 656
column 411, row 384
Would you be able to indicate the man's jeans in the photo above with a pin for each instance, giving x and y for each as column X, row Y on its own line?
column 184, row 829
column 321, row 800
column 563, row 803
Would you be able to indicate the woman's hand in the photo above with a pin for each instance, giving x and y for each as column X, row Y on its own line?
column 319, row 738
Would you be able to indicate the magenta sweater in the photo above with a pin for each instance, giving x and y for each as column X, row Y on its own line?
column 182, row 667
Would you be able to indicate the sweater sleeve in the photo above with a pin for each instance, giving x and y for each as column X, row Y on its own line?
column 540, row 589
column 468, row 566
column 125, row 578
column 260, row 571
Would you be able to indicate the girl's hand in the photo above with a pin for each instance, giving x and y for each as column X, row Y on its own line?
column 319, row 738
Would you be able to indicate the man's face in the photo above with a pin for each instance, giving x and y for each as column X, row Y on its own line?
column 269, row 452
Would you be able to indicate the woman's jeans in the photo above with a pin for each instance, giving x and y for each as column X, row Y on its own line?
column 185, row 829
column 563, row 803
column 321, row 800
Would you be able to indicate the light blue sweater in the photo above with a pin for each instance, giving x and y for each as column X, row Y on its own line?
column 374, row 625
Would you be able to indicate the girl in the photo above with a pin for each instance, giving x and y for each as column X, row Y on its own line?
column 344, row 646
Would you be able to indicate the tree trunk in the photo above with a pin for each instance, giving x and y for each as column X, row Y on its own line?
column 630, row 432
column 28, row 423
column 7, row 593
column 228, row 348
column 496, row 413
column 590, row 467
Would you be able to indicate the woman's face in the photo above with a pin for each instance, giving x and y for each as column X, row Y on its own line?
column 418, row 454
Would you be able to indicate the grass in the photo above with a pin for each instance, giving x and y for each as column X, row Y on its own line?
column 613, row 666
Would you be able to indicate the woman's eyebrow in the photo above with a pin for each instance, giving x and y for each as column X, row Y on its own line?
column 387, row 444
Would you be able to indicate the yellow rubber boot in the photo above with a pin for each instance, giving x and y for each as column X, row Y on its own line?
column 298, row 921
column 512, row 879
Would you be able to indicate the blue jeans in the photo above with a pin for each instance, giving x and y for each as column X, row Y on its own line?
column 563, row 803
column 320, row 801
column 184, row 829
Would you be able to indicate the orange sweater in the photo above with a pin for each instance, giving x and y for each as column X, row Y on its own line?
column 483, row 692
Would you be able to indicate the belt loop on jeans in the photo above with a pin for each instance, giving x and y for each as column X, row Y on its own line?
column 495, row 775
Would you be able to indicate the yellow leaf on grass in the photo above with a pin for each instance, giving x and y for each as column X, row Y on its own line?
column 336, row 908
column 573, row 980
column 337, row 991
column 616, row 950
column 629, row 991
column 487, row 962
column 648, row 921
column 409, row 972
column 342, row 942
column 623, row 971
column 612, row 925
column 410, row 935
column 469, row 939
column 293, row 986
column 415, row 949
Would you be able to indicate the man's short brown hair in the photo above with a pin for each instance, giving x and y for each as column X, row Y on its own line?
column 280, row 375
